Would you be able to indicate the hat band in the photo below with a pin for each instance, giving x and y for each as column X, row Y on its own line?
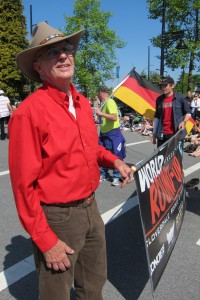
column 50, row 37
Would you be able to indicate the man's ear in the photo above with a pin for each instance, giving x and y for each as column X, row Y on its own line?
column 37, row 67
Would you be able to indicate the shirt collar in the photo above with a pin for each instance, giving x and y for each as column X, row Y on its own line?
column 59, row 96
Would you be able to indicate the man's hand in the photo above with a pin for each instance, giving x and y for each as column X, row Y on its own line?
column 98, row 112
column 125, row 171
column 56, row 257
column 181, row 126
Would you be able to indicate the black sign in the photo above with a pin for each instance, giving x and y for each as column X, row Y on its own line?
column 161, row 193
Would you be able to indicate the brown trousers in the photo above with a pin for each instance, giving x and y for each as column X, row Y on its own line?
column 83, row 230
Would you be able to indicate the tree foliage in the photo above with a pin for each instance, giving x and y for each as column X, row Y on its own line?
column 12, row 39
column 180, row 15
column 182, row 86
column 154, row 77
column 96, row 58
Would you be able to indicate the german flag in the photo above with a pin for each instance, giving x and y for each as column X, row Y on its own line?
column 141, row 95
column 189, row 125
column 138, row 93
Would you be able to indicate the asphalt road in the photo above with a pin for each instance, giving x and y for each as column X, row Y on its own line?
column 128, row 276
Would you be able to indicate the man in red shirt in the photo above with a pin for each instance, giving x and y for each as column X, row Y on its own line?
column 54, row 160
column 172, row 113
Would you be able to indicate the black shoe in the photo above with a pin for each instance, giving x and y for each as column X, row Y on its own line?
column 187, row 148
column 190, row 148
column 192, row 183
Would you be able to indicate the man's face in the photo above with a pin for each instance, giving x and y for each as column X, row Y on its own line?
column 100, row 95
column 55, row 63
column 167, row 89
column 103, row 96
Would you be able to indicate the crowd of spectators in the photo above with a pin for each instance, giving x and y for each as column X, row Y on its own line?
column 144, row 126
column 195, row 106
column 138, row 123
column 192, row 140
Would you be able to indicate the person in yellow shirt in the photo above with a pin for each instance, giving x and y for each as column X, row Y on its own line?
column 110, row 134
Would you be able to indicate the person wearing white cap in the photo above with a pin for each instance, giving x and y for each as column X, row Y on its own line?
column 54, row 160
column 5, row 111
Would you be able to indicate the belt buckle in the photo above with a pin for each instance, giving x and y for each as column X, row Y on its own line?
column 84, row 204
column 87, row 202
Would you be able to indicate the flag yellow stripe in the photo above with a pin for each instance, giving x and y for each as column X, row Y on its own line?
column 189, row 125
column 135, row 101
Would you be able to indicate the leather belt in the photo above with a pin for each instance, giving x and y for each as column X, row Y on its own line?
column 83, row 203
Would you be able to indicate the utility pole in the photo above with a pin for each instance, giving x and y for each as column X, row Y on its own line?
column 162, row 58
column 117, row 72
column 31, row 21
column 148, row 62
column 197, row 26
column 192, row 55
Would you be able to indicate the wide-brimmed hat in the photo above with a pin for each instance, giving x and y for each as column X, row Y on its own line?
column 1, row 92
column 42, row 36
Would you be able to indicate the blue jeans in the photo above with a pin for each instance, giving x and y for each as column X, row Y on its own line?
column 105, row 173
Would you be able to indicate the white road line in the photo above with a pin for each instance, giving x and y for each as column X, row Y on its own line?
column 119, row 210
column 142, row 142
column 26, row 266
column 192, row 169
column 198, row 242
column 16, row 272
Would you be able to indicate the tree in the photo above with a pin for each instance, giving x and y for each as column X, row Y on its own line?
column 182, row 85
column 181, row 18
column 154, row 77
column 12, row 39
column 96, row 57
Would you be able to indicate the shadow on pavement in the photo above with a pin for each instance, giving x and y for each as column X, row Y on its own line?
column 127, row 263
column 26, row 287
column 193, row 201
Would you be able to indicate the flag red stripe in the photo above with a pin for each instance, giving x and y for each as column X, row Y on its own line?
column 135, row 101
column 147, row 94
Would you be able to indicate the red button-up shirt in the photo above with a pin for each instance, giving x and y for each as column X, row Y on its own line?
column 53, row 157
